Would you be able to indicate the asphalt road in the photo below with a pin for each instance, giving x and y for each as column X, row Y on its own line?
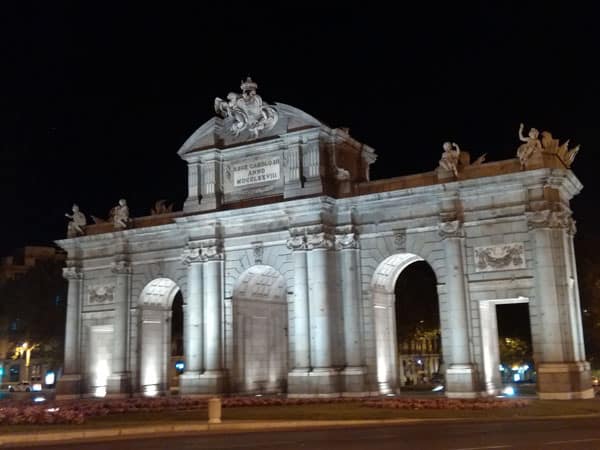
column 571, row 434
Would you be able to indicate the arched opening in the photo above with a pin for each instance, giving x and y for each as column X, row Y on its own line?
column 160, row 301
column 393, row 299
column 418, row 333
column 506, row 344
column 260, row 331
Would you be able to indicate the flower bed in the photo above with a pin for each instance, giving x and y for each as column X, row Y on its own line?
column 76, row 411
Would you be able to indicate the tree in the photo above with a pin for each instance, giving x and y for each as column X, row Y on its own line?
column 35, row 308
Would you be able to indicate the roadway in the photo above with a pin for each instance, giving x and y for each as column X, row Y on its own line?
column 551, row 434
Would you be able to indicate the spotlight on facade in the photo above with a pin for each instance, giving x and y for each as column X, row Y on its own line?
column 100, row 391
column 150, row 390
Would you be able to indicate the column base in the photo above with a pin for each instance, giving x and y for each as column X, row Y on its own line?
column 353, row 380
column 118, row 385
column 462, row 381
column 195, row 383
column 68, row 387
column 564, row 381
column 325, row 382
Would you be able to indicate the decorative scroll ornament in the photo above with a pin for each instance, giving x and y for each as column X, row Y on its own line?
column 120, row 267
column 499, row 257
column 297, row 242
column 400, row 239
column 451, row 229
column 101, row 294
column 72, row 273
column 258, row 250
column 247, row 110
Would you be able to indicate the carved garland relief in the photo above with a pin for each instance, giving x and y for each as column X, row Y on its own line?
column 500, row 257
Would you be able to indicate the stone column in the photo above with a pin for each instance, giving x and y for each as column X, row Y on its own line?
column 562, row 371
column 461, row 376
column 213, row 317
column 192, row 323
column 301, row 363
column 347, row 246
column 321, row 298
column 69, row 385
column 118, row 381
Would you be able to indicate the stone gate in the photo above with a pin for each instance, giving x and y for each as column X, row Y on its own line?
column 287, row 255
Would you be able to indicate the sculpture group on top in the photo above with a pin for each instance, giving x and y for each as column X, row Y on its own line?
column 533, row 144
column 451, row 160
column 247, row 110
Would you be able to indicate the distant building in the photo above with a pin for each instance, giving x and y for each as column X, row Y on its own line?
column 24, row 259
column 12, row 267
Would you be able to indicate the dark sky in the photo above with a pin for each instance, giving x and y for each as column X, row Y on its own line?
column 96, row 98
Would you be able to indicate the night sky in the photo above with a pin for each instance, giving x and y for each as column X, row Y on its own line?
column 96, row 98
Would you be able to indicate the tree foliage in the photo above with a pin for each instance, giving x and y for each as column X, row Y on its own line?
column 34, row 305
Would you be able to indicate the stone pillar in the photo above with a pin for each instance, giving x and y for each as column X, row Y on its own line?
column 301, row 363
column 192, row 203
column 69, row 384
column 562, row 370
column 212, row 380
column 118, row 380
column 210, row 183
column 192, row 323
column 213, row 306
column 354, row 372
column 321, row 298
column 461, row 376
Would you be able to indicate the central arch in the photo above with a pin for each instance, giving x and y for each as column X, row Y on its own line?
column 260, row 331
column 384, row 303
column 155, row 302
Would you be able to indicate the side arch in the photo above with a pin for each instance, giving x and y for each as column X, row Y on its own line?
column 154, row 335
column 383, row 284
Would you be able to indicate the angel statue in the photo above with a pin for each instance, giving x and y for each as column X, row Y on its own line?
column 531, row 145
column 77, row 224
column 450, row 156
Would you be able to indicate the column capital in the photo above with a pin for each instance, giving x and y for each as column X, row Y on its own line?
column 202, row 251
column 72, row 273
column 346, row 241
column 451, row 229
column 322, row 240
column 120, row 267
column 297, row 239
column 559, row 217
column 190, row 256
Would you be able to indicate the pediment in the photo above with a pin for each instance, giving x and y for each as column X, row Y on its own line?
column 217, row 132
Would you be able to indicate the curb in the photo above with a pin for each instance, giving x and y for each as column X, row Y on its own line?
column 148, row 431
